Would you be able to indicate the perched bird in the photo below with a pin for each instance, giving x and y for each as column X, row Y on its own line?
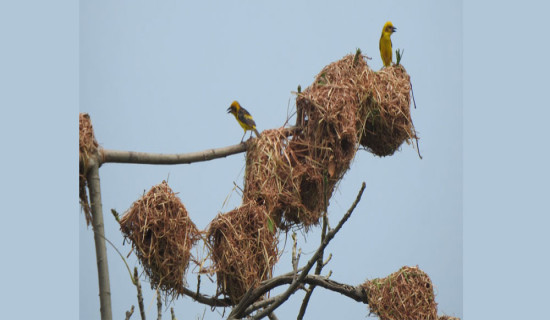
column 385, row 45
column 243, row 117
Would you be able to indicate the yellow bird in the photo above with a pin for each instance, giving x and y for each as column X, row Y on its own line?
column 385, row 44
column 243, row 118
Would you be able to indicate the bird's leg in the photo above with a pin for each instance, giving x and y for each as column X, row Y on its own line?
column 243, row 136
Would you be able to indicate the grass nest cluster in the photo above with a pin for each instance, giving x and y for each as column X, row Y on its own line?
column 88, row 148
column 405, row 294
column 244, row 249
column 162, row 235
column 347, row 105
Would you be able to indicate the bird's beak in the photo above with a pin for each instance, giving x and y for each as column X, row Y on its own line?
column 229, row 110
column 393, row 29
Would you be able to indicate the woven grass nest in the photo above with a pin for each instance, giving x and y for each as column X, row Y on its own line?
column 347, row 94
column 87, row 148
column 385, row 111
column 244, row 249
column 273, row 178
column 162, row 235
column 327, row 143
column 405, row 294
column 348, row 104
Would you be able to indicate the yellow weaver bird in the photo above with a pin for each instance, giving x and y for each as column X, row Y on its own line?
column 385, row 45
column 243, row 118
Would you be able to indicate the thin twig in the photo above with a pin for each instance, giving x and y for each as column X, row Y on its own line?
column 210, row 301
column 139, row 294
column 318, row 269
column 172, row 312
column 159, row 306
column 267, row 285
column 99, row 239
column 129, row 313
column 356, row 293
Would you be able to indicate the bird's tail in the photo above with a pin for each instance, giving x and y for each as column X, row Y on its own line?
column 257, row 133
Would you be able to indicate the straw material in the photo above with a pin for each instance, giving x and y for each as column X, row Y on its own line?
column 273, row 179
column 347, row 104
column 162, row 235
column 405, row 294
column 88, row 147
column 385, row 113
column 244, row 250
column 327, row 114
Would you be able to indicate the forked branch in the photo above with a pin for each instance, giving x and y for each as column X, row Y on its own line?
column 242, row 309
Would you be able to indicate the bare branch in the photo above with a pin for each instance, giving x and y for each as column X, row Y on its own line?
column 139, row 294
column 99, row 239
column 159, row 306
column 129, row 313
column 210, row 301
column 356, row 293
column 172, row 312
column 117, row 156
column 271, row 283
column 272, row 316
column 318, row 268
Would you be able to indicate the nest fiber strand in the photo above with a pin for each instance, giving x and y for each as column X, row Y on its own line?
column 162, row 235
column 244, row 250
column 405, row 294
column 88, row 147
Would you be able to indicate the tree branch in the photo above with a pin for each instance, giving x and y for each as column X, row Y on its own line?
column 129, row 313
column 213, row 302
column 318, row 267
column 159, row 306
column 139, row 294
column 117, row 156
column 99, row 239
column 267, row 285
column 356, row 293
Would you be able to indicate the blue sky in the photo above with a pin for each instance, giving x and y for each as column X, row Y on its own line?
column 138, row 85
column 159, row 77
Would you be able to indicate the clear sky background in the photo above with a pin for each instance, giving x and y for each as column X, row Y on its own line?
column 139, row 71
column 158, row 77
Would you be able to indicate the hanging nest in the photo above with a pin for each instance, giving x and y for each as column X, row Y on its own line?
column 88, row 148
column 162, row 235
column 447, row 318
column 327, row 143
column 273, row 179
column 347, row 104
column 385, row 113
column 244, row 249
column 405, row 294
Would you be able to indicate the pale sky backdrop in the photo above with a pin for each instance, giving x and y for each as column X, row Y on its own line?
column 159, row 76
column 200, row 57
